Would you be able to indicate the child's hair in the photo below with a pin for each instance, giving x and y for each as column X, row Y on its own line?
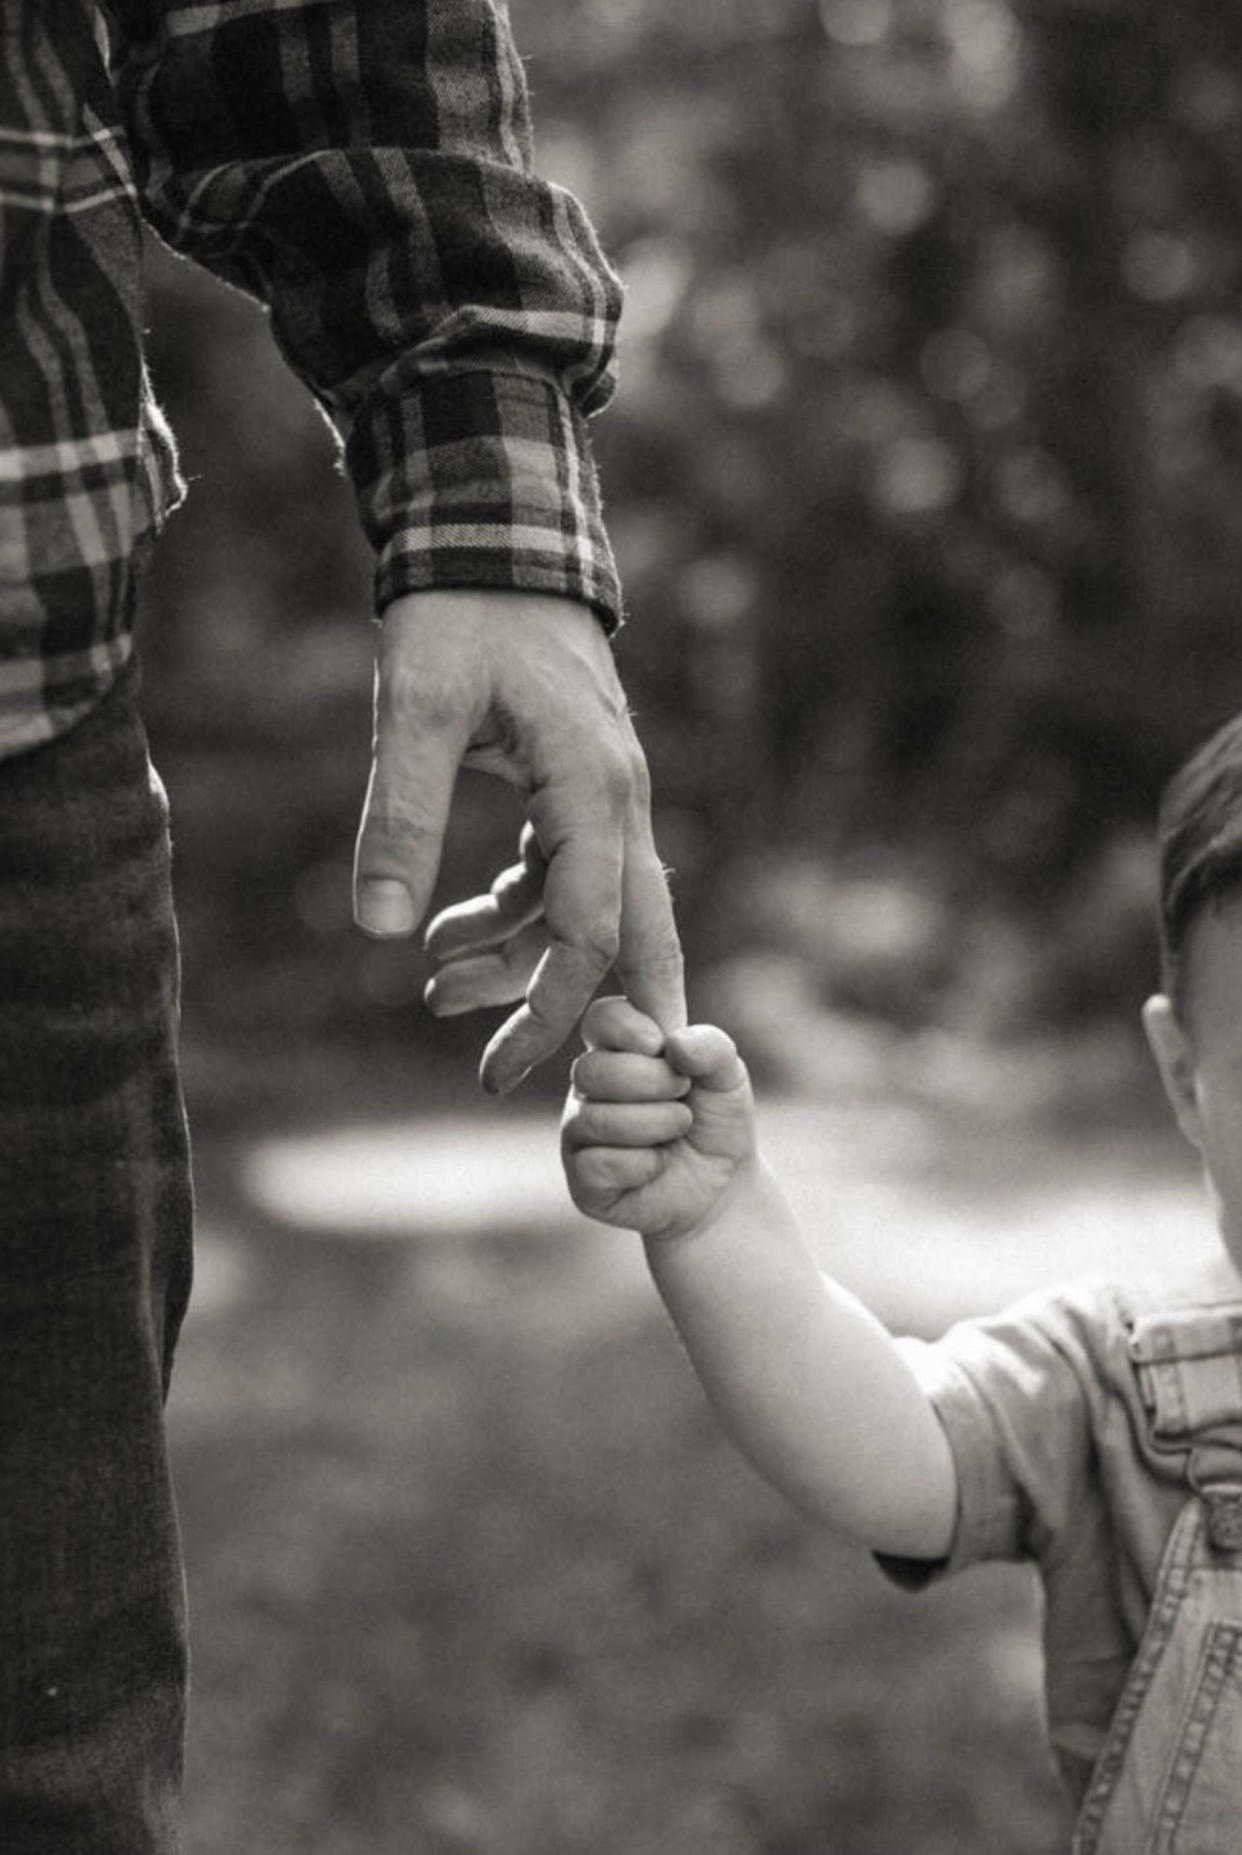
column 1200, row 837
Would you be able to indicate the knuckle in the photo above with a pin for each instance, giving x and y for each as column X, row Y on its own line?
column 589, row 1124
column 615, row 780
column 598, row 1015
column 519, row 955
column 665, row 956
column 579, row 1188
column 419, row 695
column 395, row 811
column 663, row 963
column 599, row 943
column 597, row 1074
column 639, row 777
column 509, row 887
column 598, row 1202
column 595, row 941
column 530, row 850
column 596, row 1170
column 541, row 1025
column 580, row 1195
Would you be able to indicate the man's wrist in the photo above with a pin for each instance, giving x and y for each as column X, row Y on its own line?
column 398, row 579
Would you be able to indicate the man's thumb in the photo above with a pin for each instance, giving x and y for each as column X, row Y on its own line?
column 403, row 822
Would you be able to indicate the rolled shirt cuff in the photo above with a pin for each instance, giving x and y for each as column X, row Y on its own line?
column 485, row 478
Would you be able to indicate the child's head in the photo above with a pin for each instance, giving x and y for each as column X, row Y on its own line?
column 1200, row 837
column 1195, row 1024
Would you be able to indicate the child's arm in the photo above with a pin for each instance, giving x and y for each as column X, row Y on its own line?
column 659, row 1137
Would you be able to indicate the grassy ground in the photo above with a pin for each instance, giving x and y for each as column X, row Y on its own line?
column 472, row 1572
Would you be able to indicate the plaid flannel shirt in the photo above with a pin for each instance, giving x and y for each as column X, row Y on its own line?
column 362, row 167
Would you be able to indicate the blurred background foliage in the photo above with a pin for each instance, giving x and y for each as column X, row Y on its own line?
column 925, row 477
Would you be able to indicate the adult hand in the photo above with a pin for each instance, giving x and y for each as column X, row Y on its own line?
column 524, row 686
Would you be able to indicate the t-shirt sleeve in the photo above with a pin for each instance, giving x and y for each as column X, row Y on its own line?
column 1016, row 1396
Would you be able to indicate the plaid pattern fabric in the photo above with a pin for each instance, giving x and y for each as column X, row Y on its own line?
column 361, row 166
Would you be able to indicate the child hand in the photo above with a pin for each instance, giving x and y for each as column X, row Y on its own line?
column 656, row 1129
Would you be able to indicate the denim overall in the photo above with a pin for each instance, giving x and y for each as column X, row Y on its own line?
column 1168, row 1780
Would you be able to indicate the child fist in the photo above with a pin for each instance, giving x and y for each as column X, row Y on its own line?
column 656, row 1129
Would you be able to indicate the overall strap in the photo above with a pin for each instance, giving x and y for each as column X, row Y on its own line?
column 1188, row 1364
column 1165, row 1779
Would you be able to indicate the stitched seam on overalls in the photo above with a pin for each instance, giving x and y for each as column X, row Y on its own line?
column 1172, row 1587
column 1220, row 1651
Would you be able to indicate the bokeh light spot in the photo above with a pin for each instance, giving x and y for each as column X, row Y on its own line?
column 1023, row 601
column 917, row 476
column 1029, row 486
column 955, row 364
column 987, row 43
column 1159, row 266
column 856, row 22
column 431, row 1177
column 897, row 196
column 1207, row 97
column 717, row 591
column 1209, row 352
column 656, row 273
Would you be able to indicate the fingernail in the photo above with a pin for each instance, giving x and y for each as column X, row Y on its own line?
column 499, row 1081
column 385, row 907
column 442, row 1004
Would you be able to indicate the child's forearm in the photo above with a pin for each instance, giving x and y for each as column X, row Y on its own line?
column 806, row 1380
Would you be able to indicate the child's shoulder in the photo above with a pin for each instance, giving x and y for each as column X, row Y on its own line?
column 1112, row 1302
column 1078, row 1338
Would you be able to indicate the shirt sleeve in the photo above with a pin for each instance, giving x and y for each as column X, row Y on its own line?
column 1016, row 1396
column 363, row 167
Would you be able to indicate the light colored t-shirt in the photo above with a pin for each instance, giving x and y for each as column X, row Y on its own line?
column 1048, row 1414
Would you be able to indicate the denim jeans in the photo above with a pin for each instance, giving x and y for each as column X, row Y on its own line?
column 95, row 1260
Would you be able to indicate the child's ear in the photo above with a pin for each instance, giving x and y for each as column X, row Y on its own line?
column 1175, row 1060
